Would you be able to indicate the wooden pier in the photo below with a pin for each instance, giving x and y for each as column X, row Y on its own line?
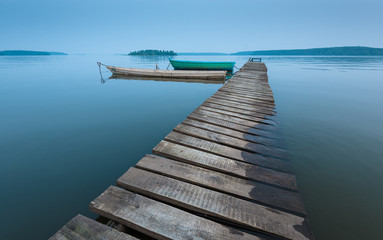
column 220, row 174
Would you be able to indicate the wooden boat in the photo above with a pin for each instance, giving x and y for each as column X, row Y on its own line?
column 140, row 72
column 201, row 65
column 184, row 80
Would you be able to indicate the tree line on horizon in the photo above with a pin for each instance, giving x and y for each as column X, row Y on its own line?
column 331, row 51
column 153, row 52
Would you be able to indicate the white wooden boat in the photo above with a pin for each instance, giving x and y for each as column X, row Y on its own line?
column 168, row 79
column 183, row 74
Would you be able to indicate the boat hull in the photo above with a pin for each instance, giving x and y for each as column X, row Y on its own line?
column 210, row 75
column 201, row 65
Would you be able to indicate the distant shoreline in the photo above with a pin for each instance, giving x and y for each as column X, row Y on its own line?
column 29, row 53
column 331, row 51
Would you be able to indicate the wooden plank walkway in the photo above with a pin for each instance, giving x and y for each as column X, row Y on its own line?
column 220, row 174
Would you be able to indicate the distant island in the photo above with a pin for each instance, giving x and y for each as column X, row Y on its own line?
column 152, row 53
column 333, row 51
column 28, row 53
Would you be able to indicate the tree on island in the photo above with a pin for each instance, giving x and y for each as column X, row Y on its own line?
column 153, row 52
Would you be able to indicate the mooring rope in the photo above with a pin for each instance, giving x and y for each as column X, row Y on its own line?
column 157, row 67
column 99, row 68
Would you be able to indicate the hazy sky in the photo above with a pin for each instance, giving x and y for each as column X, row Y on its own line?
column 120, row 26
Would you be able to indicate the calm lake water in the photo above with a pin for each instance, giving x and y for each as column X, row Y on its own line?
column 65, row 136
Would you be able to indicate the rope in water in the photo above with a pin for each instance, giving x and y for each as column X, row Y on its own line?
column 99, row 68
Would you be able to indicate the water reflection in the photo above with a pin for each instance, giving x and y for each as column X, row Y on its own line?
column 26, row 61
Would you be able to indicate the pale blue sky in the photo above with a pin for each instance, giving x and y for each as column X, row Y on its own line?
column 120, row 26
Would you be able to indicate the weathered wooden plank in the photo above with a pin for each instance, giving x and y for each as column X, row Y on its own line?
column 245, row 93
column 159, row 220
column 262, row 109
column 249, row 87
column 246, row 97
column 252, row 84
column 245, row 106
column 259, row 79
column 237, row 83
column 255, row 85
column 248, row 90
column 264, row 113
column 238, row 115
column 254, row 90
column 233, row 133
column 264, row 194
column 247, row 214
column 246, row 78
column 230, row 141
column 236, row 120
column 244, row 100
column 252, row 71
column 252, row 76
column 230, row 125
column 225, row 165
column 238, row 111
column 258, row 66
column 81, row 228
column 243, row 96
column 228, row 152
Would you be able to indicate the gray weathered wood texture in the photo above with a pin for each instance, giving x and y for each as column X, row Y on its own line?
column 225, row 165
column 259, row 192
column 81, row 228
column 229, row 152
column 159, row 220
column 212, row 203
column 233, row 133
column 230, row 141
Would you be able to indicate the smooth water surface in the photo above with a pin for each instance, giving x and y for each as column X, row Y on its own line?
column 65, row 136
